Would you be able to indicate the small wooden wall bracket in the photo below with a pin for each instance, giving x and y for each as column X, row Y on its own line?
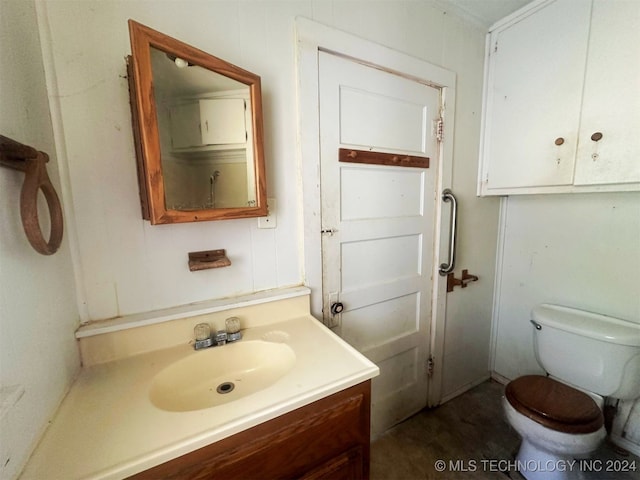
column 27, row 159
column 208, row 259
column 467, row 278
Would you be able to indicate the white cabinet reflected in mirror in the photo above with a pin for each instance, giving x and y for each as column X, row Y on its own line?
column 198, row 125
column 204, row 125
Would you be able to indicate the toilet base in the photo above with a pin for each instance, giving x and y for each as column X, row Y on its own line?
column 535, row 458
column 536, row 464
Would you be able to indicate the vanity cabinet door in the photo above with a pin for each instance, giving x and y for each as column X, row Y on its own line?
column 611, row 97
column 346, row 466
column 532, row 111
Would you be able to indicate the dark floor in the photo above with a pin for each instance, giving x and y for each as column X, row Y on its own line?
column 469, row 434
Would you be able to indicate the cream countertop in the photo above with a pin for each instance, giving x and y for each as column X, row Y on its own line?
column 107, row 428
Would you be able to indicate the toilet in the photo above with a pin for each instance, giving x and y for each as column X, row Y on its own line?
column 587, row 357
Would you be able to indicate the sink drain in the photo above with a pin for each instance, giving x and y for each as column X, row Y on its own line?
column 225, row 387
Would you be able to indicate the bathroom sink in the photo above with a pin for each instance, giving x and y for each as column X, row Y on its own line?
column 219, row 375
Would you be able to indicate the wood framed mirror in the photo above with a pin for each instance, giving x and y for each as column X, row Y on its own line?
column 197, row 123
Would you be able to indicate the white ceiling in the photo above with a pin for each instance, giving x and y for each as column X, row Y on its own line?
column 484, row 12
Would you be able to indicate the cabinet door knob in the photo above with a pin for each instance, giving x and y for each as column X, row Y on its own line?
column 596, row 136
column 559, row 141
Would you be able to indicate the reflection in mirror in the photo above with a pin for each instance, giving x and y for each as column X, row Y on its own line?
column 204, row 126
column 199, row 134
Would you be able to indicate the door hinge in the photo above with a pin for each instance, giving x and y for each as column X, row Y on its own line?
column 430, row 366
column 440, row 129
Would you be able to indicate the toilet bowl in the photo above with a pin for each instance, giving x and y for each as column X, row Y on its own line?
column 559, row 417
column 557, row 423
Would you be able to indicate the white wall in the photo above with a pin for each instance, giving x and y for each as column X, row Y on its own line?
column 38, row 312
column 578, row 250
column 128, row 266
column 468, row 324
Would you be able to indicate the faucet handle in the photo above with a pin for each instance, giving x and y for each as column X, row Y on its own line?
column 232, row 325
column 202, row 332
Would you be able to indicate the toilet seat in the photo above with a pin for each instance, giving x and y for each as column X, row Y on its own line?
column 554, row 405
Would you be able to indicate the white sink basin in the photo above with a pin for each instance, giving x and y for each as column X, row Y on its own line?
column 220, row 375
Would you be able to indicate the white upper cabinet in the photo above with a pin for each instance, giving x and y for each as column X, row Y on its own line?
column 611, row 97
column 208, row 122
column 185, row 125
column 560, row 73
column 533, row 104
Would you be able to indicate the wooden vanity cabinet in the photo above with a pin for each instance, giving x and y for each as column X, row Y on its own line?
column 327, row 439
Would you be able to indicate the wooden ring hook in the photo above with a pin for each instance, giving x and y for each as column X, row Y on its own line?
column 36, row 178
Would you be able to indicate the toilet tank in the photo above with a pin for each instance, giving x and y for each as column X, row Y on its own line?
column 593, row 352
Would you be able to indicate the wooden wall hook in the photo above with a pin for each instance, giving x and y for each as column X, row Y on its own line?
column 26, row 159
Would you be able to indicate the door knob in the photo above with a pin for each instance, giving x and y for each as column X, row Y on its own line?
column 336, row 308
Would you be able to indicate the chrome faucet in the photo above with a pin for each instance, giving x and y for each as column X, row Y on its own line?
column 205, row 339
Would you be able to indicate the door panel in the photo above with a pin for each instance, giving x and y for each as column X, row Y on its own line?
column 366, row 262
column 361, row 121
column 396, row 394
column 360, row 189
column 363, row 327
column 378, row 259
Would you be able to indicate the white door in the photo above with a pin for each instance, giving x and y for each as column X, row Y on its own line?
column 379, row 223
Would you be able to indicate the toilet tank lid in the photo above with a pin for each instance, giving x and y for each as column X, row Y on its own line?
column 588, row 324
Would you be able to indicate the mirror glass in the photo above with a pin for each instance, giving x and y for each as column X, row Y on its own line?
column 204, row 126
column 199, row 123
